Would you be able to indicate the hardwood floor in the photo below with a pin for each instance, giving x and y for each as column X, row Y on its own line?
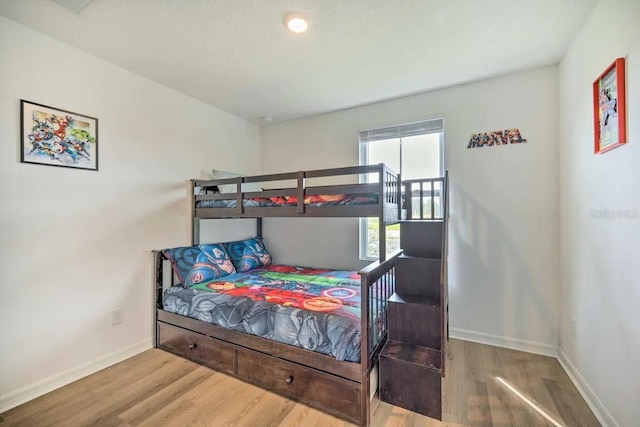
column 484, row 386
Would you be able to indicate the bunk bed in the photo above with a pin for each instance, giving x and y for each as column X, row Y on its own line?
column 340, row 387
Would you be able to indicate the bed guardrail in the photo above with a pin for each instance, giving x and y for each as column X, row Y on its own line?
column 388, row 186
column 424, row 198
column 391, row 182
column 378, row 284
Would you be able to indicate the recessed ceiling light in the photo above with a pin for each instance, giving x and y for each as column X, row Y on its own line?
column 296, row 22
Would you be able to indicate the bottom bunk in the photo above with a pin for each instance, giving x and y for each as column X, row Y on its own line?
column 311, row 308
column 323, row 379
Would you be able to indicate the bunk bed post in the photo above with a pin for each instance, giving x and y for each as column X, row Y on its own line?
column 300, row 193
column 399, row 195
column 444, row 271
column 259, row 227
column 195, row 222
column 239, row 195
column 382, row 235
column 365, row 404
column 157, row 262
column 421, row 204
column 195, row 231
column 382, row 239
column 364, row 350
column 408, row 197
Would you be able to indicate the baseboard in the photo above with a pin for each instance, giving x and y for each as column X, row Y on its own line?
column 505, row 342
column 30, row 392
column 596, row 405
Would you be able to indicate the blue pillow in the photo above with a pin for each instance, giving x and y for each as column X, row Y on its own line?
column 248, row 254
column 201, row 263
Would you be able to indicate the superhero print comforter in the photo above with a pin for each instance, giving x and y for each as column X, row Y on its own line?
column 320, row 200
column 315, row 309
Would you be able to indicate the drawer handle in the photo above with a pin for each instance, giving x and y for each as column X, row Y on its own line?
column 289, row 380
column 193, row 346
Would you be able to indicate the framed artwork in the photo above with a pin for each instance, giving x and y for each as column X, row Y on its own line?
column 609, row 108
column 54, row 137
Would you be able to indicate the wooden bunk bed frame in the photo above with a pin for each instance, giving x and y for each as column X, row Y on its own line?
column 337, row 387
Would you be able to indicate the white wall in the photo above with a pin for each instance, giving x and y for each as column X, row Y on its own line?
column 600, row 256
column 504, row 229
column 75, row 244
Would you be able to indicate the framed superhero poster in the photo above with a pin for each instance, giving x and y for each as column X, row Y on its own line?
column 54, row 137
column 609, row 108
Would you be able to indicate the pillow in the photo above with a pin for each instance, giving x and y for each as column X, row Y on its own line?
column 231, row 188
column 201, row 263
column 248, row 254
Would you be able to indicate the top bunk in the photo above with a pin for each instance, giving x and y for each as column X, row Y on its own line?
column 381, row 197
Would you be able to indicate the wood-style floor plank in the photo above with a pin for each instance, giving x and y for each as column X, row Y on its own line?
column 179, row 409
column 569, row 401
column 156, row 402
column 118, row 401
column 53, row 408
column 450, row 389
column 304, row 416
column 509, row 373
column 228, row 403
column 528, row 381
column 484, row 386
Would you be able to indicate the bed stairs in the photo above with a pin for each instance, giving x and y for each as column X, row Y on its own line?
column 413, row 360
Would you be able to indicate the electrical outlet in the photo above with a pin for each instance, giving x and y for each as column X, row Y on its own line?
column 574, row 333
column 116, row 316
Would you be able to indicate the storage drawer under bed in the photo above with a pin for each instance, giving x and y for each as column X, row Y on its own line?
column 209, row 351
column 322, row 390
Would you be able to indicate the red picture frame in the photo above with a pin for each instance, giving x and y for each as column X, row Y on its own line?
column 609, row 108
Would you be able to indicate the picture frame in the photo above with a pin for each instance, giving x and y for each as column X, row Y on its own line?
column 55, row 137
column 609, row 108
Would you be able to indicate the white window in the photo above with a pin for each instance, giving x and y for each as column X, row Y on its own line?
column 415, row 151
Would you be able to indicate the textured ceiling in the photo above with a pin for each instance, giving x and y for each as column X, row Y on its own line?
column 237, row 55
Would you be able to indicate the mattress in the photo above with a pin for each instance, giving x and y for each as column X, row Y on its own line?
column 314, row 309
column 320, row 200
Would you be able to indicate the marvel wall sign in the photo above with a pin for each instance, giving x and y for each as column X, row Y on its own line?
column 497, row 137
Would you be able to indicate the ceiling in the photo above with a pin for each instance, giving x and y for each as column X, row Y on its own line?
column 236, row 54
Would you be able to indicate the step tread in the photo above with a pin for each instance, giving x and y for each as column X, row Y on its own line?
column 425, row 357
column 414, row 299
column 411, row 257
